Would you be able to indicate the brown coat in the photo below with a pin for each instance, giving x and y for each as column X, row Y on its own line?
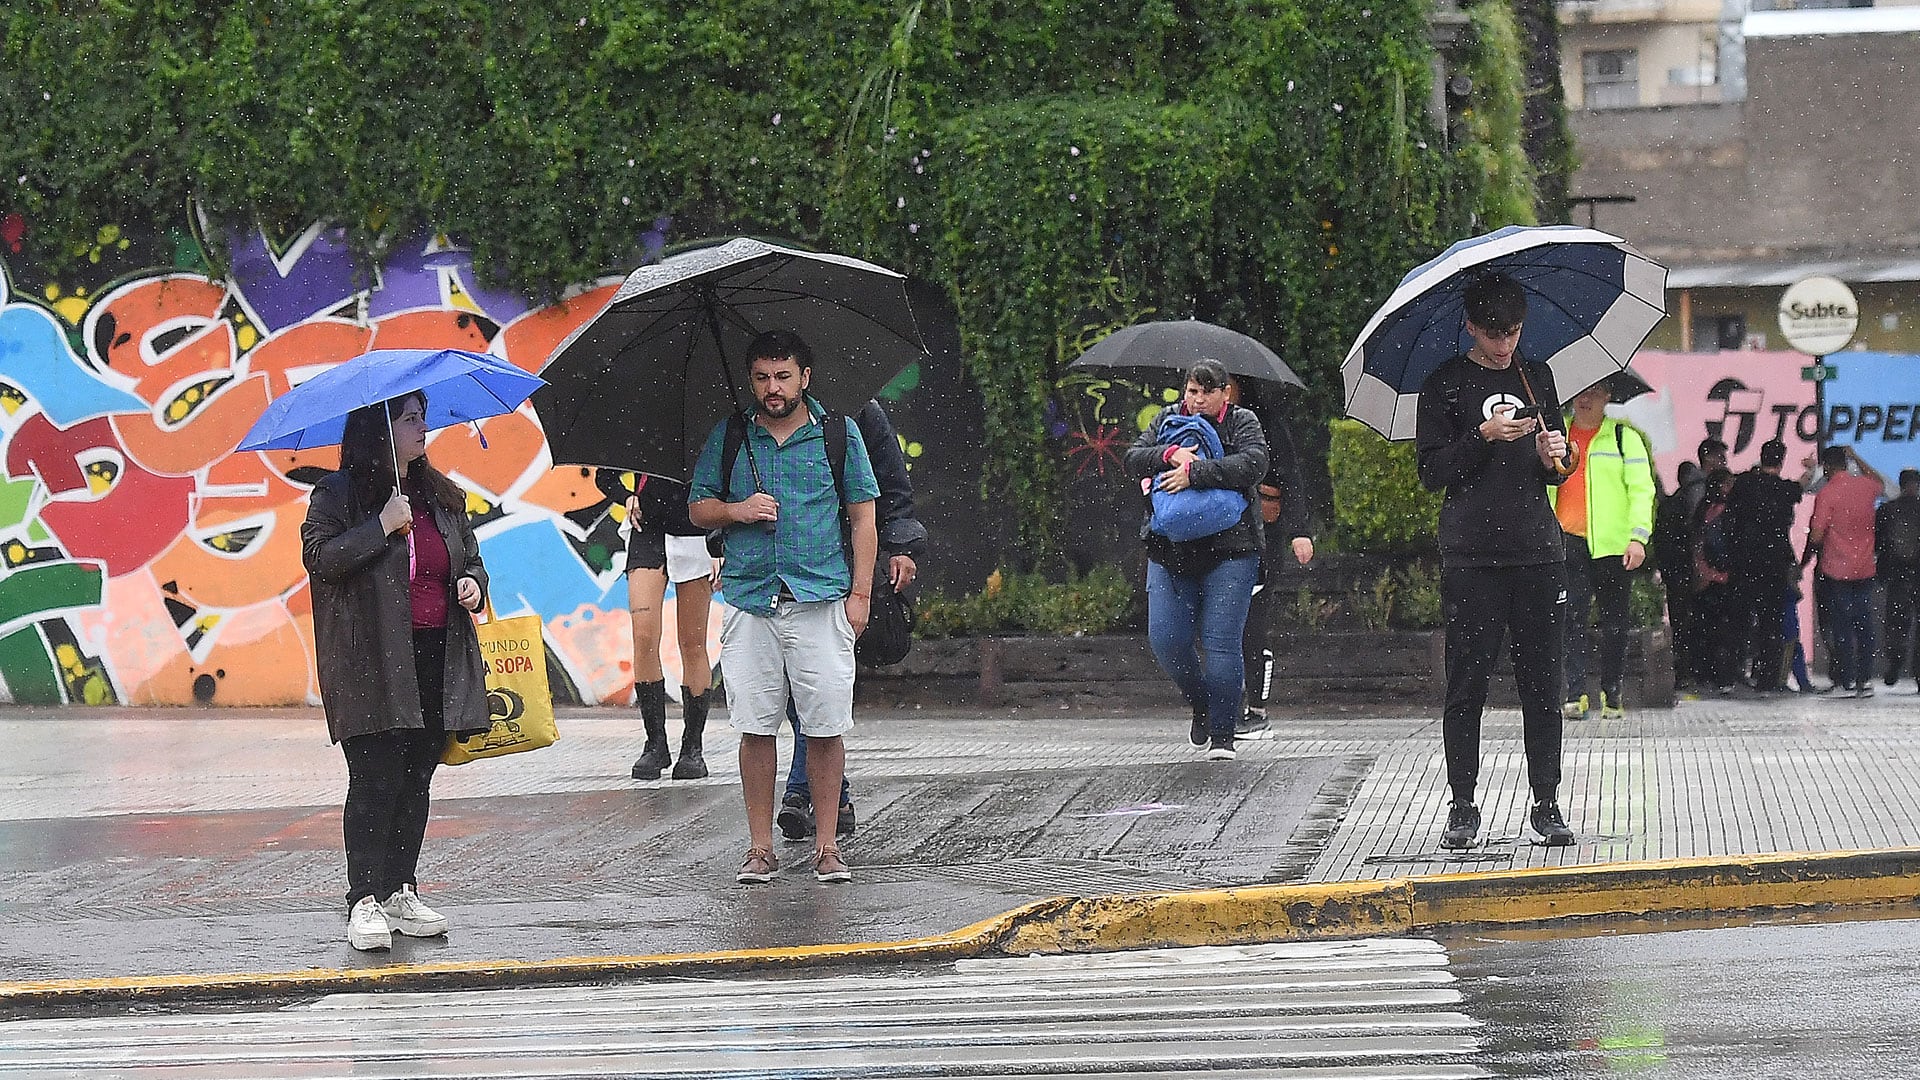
column 363, row 619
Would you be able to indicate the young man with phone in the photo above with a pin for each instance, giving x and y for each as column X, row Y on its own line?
column 1481, row 439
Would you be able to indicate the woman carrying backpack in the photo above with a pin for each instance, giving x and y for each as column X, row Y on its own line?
column 1200, row 462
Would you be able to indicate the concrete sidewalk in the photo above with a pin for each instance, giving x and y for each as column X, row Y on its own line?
column 142, row 849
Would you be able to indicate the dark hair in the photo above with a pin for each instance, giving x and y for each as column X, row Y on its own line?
column 1772, row 452
column 1833, row 458
column 1909, row 476
column 1494, row 302
column 1718, row 481
column 1709, row 446
column 366, row 456
column 1210, row 374
column 780, row 345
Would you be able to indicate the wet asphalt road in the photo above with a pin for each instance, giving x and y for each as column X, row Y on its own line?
column 1793, row 1000
column 1810, row 1000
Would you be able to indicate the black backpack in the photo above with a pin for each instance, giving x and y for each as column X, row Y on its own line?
column 1672, row 539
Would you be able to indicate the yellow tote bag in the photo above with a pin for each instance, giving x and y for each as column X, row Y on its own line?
column 518, row 700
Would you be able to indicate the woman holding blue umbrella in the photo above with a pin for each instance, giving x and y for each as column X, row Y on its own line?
column 395, row 569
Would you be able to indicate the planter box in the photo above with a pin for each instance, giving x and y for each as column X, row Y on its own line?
column 1118, row 670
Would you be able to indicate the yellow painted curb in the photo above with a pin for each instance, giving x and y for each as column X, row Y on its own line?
column 1245, row 915
column 974, row 940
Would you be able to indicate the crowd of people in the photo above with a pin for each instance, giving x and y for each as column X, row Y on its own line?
column 802, row 517
column 1735, row 577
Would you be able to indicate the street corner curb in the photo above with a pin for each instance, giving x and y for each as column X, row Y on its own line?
column 977, row 939
column 1237, row 916
column 1670, row 887
column 1636, row 890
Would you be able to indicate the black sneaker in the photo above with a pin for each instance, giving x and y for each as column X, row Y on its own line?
column 1221, row 748
column 844, row 827
column 1546, row 821
column 1252, row 725
column 1197, row 734
column 795, row 817
column 1463, row 825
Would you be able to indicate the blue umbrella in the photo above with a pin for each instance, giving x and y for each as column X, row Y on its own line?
column 459, row 385
column 1591, row 301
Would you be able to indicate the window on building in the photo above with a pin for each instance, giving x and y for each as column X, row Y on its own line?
column 1728, row 332
column 1611, row 78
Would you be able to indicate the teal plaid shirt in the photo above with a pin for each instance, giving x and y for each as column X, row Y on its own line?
column 803, row 548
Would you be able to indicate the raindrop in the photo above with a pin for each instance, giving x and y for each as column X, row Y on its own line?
column 1337, row 107
column 901, row 204
column 629, row 163
column 776, row 119
column 1074, row 150
column 583, row 22
column 626, row 201
column 924, row 152
column 1289, row 86
column 45, row 96
column 913, row 226
column 1071, row 197
column 919, row 168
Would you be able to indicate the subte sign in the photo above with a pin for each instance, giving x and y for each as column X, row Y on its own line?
column 1818, row 315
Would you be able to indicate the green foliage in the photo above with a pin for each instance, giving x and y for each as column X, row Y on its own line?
column 1495, row 147
column 1013, row 603
column 1378, row 502
column 1401, row 597
column 1646, row 601
column 1052, row 164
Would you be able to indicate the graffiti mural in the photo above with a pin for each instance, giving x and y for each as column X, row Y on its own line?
column 143, row 561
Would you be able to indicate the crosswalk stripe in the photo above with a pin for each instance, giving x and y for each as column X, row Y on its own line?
column 1385, row 1008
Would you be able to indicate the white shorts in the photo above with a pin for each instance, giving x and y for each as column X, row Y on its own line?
column 808, row 647
column 687, row 558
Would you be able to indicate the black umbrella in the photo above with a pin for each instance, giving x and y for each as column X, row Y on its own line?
column 643, row 382
column 1175, row 346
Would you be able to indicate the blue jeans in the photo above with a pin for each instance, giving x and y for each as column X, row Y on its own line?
column 1850, row 621
column 797, row 775
column 1209, row 610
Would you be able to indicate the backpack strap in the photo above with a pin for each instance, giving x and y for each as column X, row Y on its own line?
column 730, row 444
column 834, row 426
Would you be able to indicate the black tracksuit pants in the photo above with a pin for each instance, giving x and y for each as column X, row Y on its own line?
column 1482, row 606
column 388, row 777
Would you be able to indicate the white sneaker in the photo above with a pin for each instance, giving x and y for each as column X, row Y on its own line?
column 367, row 928
column 411, row 917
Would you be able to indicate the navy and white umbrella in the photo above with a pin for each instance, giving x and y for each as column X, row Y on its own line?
column 1591, row 300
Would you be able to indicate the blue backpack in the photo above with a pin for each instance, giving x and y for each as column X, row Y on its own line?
column 1196, row 512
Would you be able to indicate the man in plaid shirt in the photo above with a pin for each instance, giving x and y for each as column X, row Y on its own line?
column 797, row 597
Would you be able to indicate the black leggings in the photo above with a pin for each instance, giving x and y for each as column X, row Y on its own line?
column 388, row 776
column 1482, row 605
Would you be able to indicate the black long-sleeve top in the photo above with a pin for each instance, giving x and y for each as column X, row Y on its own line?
column 1495, row 512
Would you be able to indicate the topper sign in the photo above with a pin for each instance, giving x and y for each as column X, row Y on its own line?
column 1818, row 315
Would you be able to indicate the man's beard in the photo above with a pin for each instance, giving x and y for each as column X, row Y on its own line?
column 784, row 411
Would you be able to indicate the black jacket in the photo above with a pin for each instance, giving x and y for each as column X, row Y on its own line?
column 900, row 532
column 1760, row 508
column 1242, row 469
column 1283, row 472
column 1496, row 511
column 363, row 618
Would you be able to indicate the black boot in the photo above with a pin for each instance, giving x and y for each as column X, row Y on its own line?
column 652, row 699
column 693, row 763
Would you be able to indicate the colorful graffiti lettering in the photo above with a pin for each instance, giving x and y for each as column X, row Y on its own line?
column 142, row 561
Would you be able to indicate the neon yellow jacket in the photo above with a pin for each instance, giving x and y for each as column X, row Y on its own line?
column 1619, row 474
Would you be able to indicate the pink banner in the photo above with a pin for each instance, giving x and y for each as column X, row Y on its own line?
column 1741, row 398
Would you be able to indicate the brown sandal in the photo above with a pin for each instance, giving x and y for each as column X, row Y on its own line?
column 829, row 866
column 759, row 867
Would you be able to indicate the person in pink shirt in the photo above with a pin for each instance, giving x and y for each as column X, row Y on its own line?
column 1842, row 530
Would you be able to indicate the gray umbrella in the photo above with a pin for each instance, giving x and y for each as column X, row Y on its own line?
column 641, row 384
column 1174, row 346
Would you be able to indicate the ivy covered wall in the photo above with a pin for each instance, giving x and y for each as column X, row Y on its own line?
column 1057, row 167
